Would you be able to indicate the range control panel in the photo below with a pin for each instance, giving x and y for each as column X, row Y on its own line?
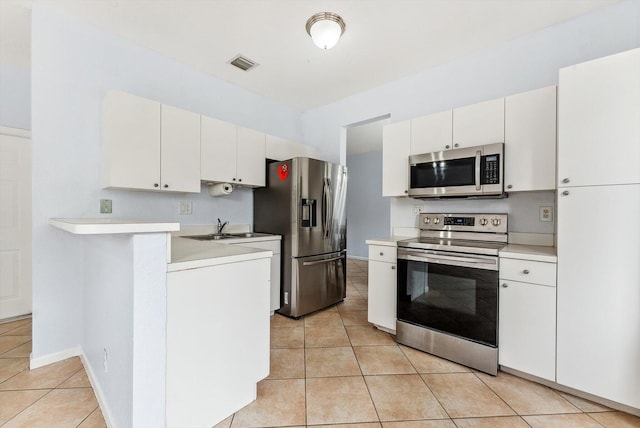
column 496, row 223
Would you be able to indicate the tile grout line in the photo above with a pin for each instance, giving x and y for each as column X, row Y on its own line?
column 29, row 406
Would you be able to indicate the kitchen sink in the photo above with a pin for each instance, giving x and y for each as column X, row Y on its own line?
column 218, row 236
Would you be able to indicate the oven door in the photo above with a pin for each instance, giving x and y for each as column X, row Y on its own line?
column 448, row 292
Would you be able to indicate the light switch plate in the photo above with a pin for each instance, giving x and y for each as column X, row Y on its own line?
column 105, row 206
column 546, row 213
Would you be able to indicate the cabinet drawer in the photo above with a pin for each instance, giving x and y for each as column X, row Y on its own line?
column 383, row 253
column 528, row 271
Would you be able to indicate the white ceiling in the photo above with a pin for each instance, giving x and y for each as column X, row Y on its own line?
column 384, row 39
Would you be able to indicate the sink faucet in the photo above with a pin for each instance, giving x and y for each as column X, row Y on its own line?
column 221, row 226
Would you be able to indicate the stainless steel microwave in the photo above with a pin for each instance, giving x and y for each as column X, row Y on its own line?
column 473, row 171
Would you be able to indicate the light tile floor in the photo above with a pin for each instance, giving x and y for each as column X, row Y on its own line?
column 331, row 368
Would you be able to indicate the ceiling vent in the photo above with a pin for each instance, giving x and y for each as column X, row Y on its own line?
column 243, row 63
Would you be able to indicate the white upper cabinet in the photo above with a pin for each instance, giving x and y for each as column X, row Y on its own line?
column 180, row 150
column 599, row 114
column 250, row 157
column 232, row 154
column 217, row 150
column 432, row 133
column 530, row 140
column 148, row 146
column 396, row 142
column 478, row 124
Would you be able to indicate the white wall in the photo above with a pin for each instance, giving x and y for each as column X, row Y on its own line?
column 73, row 66
column 15, row 97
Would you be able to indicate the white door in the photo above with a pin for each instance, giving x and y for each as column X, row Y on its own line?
column 15, row 223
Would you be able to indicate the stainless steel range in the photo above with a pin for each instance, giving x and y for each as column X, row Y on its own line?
column 448, row 288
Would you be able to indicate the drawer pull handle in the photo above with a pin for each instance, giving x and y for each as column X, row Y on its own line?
column 505, row 285
column 381, row 253
column 393, row 268
column 526, row 271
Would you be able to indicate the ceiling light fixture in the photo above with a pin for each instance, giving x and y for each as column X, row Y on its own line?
column 325, row 29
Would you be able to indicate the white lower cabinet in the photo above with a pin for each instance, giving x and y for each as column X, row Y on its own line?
column 273, row 246
column 527, row 318
column 216, row 351
column 382, row 287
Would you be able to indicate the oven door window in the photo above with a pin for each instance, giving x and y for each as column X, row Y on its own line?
column 446, row 173
column 451, row 299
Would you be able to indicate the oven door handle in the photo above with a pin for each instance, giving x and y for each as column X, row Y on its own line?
column 432, row 257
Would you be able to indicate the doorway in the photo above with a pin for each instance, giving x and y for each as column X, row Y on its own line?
column 15, row 223
column 368, row 213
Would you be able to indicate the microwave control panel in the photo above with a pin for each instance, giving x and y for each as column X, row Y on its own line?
column 491, row 170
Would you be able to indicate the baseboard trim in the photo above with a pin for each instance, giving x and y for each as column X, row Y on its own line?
column 15, row 132
column 581, row 394
column 357, row 258
column 77, row 351
column 104, row 408
column 45, row 360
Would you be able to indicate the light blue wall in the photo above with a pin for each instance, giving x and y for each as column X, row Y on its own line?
column 15, row 97
column 73, row 66
column 367, row 210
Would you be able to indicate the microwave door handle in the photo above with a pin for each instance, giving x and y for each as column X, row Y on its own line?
column 478, row 158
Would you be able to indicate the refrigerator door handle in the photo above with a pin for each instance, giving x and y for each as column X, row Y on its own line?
column 326, row 202
column 317, row 262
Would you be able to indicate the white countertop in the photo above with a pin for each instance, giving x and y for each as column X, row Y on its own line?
column 389, row 241
column 529, row 252
column 190, row 253
column 101, row 226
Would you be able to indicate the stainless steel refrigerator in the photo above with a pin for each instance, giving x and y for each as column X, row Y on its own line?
column 304, row 201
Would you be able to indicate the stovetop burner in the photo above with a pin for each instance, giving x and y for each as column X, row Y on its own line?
column 463, row 233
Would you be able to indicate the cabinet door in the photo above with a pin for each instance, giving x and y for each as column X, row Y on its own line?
column 527, row 330
column 130, row 142
column 598, row 291
column 477, row 124
column 599, row 121
column 382, row 294
column 217, row 150
column 250, row 155
column 530, row 140
column 432, row 133
column 396, row 141
column 180, row 150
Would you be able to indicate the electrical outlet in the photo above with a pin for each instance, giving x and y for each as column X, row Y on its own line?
column 186, row 208
column 105, row 206
column 546, row 213
column 105, row 360
column 417, row 209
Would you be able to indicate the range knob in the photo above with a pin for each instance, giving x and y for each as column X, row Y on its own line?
column 495, row 221
column 484, row 221
column 426, row 220
column 436, row 220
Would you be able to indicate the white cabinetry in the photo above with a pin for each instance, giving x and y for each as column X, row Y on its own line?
column 527, row 339
column 599, row 121
column 232, row 154
column 432, row 133
column 215, row 352
column 273, row 246
column 149, row 146
column 530, row 140
column 478, row 124
column 382, row 287
column 396, row 142
column 598, row 228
